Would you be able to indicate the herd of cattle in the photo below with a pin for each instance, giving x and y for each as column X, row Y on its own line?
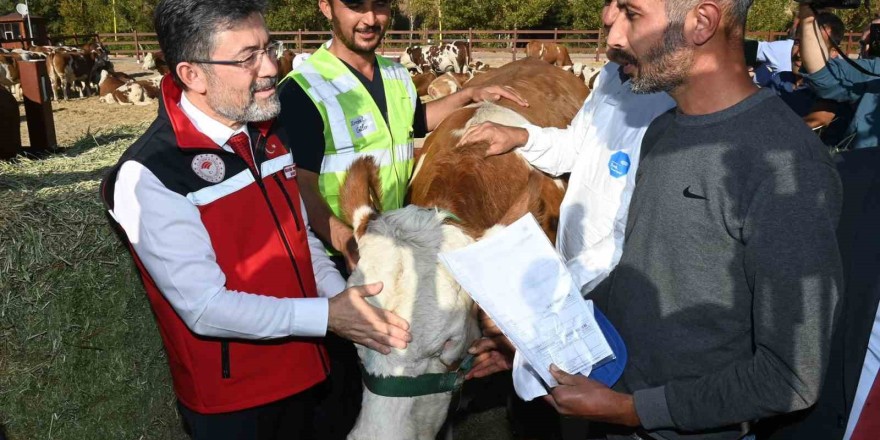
column 84, row 70
column 438, row 70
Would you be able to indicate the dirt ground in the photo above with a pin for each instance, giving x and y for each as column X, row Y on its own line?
column 78, row 117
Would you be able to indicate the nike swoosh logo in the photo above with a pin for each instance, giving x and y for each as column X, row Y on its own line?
column 687, row 193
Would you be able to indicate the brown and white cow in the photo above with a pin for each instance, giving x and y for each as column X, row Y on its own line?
column 422, row 81
column 415, row 58
column 447, row 84
column 285, row 62
column 487, row 191
column 400, row 249
column 552, row 53
column 454, row 57
column 67, row 67
column 129, row 94
column 156, row 61
column 9, row 75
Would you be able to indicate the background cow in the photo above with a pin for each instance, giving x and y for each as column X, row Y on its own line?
column 447, row 84
column 552, row 53
column 156, row 61
column 455, row 57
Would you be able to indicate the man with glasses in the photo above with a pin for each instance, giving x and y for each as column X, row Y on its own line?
column 208, row 203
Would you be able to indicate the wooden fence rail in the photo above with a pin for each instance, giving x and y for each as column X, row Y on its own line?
column 590, row 41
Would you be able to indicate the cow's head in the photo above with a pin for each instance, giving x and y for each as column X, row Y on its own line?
column 400, row 249
column 149, row 61
column 409, row 56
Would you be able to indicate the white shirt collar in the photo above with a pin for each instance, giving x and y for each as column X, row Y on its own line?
column 215, row 130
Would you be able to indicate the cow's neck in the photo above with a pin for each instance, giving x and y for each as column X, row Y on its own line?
column 400, row 418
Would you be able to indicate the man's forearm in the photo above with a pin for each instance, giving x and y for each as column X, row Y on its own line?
column 814, row 53
column 437, row 111
column 323, row 223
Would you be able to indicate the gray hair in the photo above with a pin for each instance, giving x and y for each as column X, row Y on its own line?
column 186, row 28
column 735, row 12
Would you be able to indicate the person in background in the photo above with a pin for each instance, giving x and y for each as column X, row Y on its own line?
column 838, row 80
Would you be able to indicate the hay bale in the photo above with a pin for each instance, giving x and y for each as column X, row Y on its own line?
column 80, row 355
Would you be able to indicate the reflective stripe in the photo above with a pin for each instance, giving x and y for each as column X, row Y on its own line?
column 273, row 166
column 403, row 153
column 229, row 186
column 323, row 92
column 400, row 74
column 339, row 163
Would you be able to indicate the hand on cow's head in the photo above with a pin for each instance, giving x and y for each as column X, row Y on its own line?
column 352, row 317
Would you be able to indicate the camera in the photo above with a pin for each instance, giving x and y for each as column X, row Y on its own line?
column 836, row 4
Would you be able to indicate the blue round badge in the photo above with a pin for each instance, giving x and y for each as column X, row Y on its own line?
column 618, row 166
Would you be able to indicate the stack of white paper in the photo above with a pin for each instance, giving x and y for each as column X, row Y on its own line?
column 518, row 279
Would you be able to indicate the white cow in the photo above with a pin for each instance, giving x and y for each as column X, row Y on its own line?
column 400, row 249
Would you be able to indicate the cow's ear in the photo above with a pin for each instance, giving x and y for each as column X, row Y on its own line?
column 361, row 195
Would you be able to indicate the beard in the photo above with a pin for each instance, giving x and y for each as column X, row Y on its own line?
column 666, row 65
column 351, row 42
column 233, row 106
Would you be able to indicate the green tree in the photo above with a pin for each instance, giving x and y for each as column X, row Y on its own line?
column 290, row 15
column 585, row 14
column 85, row 16
column 770, row 15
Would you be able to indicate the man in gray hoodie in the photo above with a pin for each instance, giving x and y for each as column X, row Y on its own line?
column 730, row 272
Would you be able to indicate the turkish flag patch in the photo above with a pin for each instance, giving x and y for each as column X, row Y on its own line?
column 290, row 171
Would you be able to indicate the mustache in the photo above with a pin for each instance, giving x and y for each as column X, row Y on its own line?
column 264, row 83
column 375, row 29
column 620, row 56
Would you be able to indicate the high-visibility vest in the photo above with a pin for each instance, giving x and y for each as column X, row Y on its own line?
column 354, row 126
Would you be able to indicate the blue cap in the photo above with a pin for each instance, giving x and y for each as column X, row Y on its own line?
column 609, row 372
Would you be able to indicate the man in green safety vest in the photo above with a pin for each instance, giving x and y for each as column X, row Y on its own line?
column 345, row 102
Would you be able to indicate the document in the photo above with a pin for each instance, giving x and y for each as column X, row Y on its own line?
column 515, row 275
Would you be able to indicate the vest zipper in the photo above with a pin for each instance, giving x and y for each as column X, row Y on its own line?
column 259, row 180
column 224, row 359
column 289, row 202
column 290, row 254
column 296, row 219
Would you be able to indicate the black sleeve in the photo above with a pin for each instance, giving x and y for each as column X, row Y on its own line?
column 420, row 120
column 303, row 127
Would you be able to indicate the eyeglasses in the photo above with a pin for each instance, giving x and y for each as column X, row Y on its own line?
column 251, row 60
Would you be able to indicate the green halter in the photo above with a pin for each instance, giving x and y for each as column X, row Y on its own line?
column 408, row 386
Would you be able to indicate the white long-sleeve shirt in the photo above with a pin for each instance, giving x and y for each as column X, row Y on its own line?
column 601, row 151
column 166, row 231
